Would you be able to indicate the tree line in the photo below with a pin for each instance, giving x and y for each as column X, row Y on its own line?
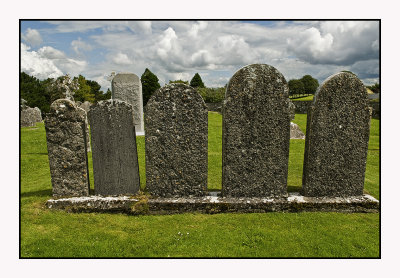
column 307, row 85
column 41, row 93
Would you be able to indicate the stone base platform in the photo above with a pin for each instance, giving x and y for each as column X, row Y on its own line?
column 214, row 204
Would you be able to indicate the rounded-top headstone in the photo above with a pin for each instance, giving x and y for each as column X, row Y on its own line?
column 256, row 133
column 66, row 145
column 176, row 124
column 337, row 138
column 128, row 87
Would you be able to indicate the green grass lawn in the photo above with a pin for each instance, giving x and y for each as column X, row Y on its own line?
column 47, row 233
column 306, row 98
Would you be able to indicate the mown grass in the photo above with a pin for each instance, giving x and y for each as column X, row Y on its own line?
column 306, row 98
column 47, row 233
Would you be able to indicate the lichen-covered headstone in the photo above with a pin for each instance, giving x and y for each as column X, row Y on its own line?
column 115, row 161
column 66, row 145
column 30, row 116
column 128, row 87
column 176, row 125
column 255, row 133
column 337, row 138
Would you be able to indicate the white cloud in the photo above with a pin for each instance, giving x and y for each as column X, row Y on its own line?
column 32, row 37
column 201, row 25
column 51, row 53
column 78, row 46
column 337, row 42
column 121, row 59
column 216, row 49
column 49, row 62
column 167, row 41
column 34, row 64
column 145, row 26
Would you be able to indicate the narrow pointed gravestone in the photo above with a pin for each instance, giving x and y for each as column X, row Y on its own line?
column 66, row 145
column 337, row 137
column 128, row 87
column 115, row 161
column 176, row 125
column 255, row 133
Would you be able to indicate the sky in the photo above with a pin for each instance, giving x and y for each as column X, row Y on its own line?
column 215, row 49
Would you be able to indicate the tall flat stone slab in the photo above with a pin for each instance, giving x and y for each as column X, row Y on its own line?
column 66, row 145
column 128, row 87
column 176, row 125
column 114, row 151
column 255, row 133
column 337, row 137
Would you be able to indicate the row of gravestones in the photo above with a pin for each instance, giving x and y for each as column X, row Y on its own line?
column 255, row 144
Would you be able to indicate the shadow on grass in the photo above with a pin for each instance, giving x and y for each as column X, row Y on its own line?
column 293, row 188
column 39, row 193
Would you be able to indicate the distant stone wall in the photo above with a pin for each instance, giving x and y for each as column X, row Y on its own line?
column 376, row 110
column 216, row 107
column 302, row 107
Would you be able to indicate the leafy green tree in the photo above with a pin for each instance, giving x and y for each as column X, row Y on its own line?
column 149, row 85
column 212, row 95
column 179, row 81
column 84, row 91
column 95, row 90
column 196, row 81
column 32, row 90
column 376, row 88
column 107, row 95
column 310, row 84
column 296, row 87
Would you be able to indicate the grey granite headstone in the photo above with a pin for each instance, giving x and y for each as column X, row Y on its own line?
column 255, row 133
column 84, row 114
column 85, row 106
column 176, row 125
column 337, row 137
column 66, row 146
column 114, row 151
column 128, row 87
column 30, row 116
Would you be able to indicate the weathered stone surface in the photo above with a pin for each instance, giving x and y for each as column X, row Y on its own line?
column 85, row 106
column 128, row 87
column 213, row 204
column 30, row 116
column 256, row 133
column 337, row 137
column 66, row 136
column 176, row 125
column 115, row 161
column 295, row 132
column 84, row 114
